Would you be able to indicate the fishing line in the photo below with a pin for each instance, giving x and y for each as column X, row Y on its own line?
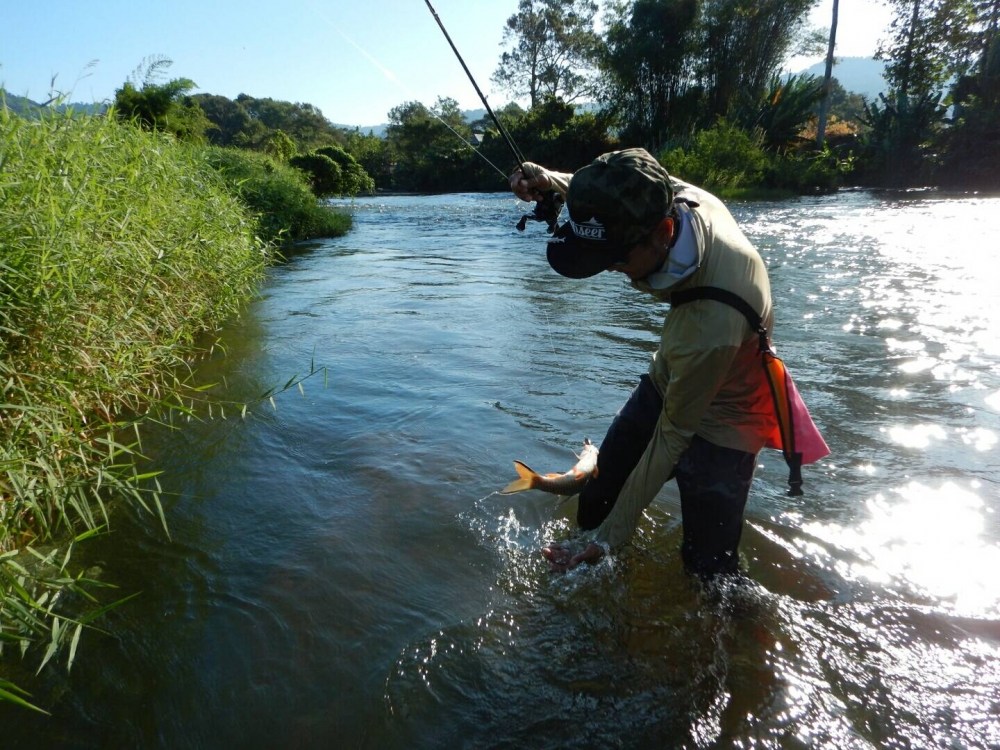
column 549, row 206
column 547, row 211
column 394, row 79
column 474, row 149
column 503, row 131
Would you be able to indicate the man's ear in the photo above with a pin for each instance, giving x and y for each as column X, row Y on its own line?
column 664, row 231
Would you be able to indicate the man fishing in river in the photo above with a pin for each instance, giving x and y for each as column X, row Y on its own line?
column 702, row 412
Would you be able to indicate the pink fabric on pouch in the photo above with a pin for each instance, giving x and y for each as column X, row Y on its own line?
column 808, row 440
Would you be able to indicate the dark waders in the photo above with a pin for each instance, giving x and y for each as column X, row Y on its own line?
column 714, row 483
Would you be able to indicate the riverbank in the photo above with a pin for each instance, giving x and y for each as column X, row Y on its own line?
column 120, row 250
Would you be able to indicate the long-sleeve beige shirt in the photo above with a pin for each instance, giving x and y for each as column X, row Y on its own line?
column 707, row 367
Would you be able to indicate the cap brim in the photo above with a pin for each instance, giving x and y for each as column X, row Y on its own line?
column 575, row 257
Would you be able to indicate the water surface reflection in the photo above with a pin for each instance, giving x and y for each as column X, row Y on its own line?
column 341, row 571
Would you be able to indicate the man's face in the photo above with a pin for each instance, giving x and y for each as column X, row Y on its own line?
column 643, row 259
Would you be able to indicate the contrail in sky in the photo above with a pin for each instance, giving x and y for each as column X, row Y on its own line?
column 392, row 77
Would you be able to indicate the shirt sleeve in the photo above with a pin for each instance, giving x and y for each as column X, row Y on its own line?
column 696, row 375
column 560, row 180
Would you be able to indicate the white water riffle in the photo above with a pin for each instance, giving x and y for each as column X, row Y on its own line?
column 341, row 572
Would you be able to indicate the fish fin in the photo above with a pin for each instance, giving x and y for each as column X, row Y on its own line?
column 525, row 480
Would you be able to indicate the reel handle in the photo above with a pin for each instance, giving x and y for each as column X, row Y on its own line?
column 547, row 210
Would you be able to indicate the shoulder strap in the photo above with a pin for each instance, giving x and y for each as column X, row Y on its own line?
column 776, row 380
column 727, row 298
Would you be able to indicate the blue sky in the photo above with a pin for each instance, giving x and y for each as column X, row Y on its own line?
column 354, row 60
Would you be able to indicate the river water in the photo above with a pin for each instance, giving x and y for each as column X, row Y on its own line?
column 341, row 573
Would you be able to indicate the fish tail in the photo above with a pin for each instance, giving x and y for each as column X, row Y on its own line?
column 525, row 481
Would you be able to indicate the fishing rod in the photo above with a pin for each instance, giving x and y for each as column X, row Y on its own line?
column 392, row 77
column 547, row 209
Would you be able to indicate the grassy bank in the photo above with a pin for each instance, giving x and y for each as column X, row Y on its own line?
column 279, row 196
column 118, row 249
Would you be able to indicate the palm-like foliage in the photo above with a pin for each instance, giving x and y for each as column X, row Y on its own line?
column 784, row 111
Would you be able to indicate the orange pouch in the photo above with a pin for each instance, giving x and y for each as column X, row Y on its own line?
column 795, row 434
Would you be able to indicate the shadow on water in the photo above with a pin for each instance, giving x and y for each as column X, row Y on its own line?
column 589, row 659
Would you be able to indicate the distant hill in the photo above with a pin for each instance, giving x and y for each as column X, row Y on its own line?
column 470, row 115
column 378, row 130
column 26, row 107
column 860, row 75
column 18, row 104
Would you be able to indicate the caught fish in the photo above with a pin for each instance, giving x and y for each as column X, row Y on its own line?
column 560, row 484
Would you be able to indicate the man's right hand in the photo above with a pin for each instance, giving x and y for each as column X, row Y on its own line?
column 561, row 558
column 529, row 186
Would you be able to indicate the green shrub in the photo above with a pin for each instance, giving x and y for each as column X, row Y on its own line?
column 332, row 171
column 353, row 177
column 277, row 194
column 724, row 156
column 323, row 173
column 734, row 163
column 808, row 171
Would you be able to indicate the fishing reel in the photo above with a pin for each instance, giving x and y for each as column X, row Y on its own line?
column 547, row 210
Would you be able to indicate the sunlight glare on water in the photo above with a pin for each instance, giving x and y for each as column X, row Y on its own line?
column 932, row 540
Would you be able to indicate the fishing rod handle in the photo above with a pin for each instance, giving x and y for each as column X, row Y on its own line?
column 548, row 199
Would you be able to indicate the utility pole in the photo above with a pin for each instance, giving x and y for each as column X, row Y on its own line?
column 824, row 105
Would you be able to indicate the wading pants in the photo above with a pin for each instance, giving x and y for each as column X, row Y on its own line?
column 713, row 482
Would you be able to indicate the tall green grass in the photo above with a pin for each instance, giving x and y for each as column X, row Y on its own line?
column 118, row 249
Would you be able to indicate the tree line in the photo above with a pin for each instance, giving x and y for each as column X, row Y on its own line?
column 697, row 82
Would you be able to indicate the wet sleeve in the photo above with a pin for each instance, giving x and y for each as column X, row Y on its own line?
column 696, row 377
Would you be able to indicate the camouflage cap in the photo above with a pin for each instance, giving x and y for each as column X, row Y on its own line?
column 614, row 202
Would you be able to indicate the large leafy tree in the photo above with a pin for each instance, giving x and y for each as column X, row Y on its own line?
column 925, row 47
column 332, row 171
column 647, row 72
column 229, row 119
column 430, row 147
column 672, row 66
column 372, row 153
column 743, row 44
column 496, row 158
column 551, row 50
column 554, row 134
column 259, row 124
column 353, row 178
column 972, row 146
column 303, row 123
